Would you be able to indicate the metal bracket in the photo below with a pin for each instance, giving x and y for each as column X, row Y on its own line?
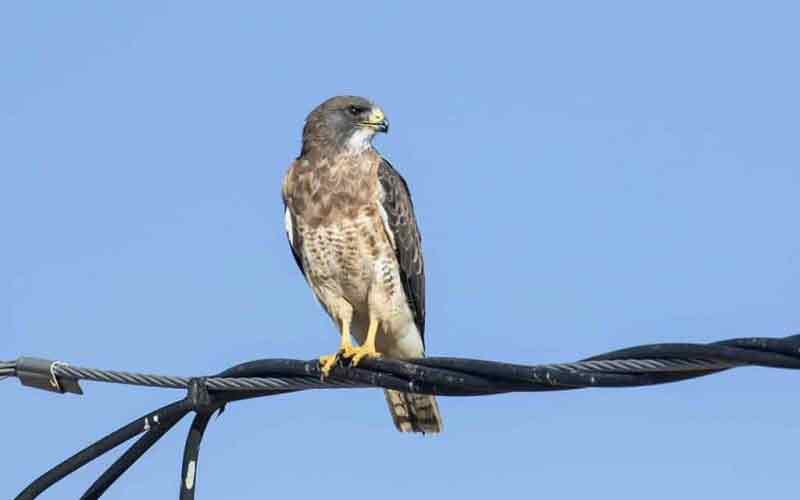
column 198, row 395
column 40, row 373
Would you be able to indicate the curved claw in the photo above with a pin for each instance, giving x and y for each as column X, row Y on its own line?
column 362, row 352
column 348, row 351
column 327, row 362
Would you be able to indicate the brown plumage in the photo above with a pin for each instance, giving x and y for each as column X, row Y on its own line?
column 353, row 233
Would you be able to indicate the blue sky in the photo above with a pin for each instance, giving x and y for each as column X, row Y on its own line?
column 587, row 176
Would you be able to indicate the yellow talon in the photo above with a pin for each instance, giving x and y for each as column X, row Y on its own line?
column 346, row 350
column 368, row 347
column 361, row 353
column 326, row 363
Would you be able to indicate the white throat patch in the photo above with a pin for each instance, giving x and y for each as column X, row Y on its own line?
column 360, row 140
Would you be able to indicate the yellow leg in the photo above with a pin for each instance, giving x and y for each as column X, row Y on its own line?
column 345, row 347
column 326, row 363
column 368, row 347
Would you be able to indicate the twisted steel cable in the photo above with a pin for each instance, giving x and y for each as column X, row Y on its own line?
column 7, row 369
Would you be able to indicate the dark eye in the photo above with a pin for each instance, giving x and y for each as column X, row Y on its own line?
column 354, row 110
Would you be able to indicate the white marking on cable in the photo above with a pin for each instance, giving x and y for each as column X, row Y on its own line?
column 190, row 475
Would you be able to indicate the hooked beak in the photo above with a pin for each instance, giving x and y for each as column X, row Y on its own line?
column 377, row 120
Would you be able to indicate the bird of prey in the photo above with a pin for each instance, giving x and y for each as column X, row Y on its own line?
column 353, row 233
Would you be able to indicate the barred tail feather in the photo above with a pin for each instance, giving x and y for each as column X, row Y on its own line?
column 414, row 412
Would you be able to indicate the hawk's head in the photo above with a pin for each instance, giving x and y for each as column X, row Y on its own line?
column 344, row 122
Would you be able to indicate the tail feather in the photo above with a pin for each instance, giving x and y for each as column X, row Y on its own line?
column 414, row 412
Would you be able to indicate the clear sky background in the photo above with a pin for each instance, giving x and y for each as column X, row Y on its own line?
column 587, row 176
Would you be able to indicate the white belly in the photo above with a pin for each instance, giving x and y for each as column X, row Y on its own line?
column 354, row 260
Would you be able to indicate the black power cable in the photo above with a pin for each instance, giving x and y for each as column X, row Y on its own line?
column 637, row 366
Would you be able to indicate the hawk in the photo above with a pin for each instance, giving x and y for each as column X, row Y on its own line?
column 351, row 227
